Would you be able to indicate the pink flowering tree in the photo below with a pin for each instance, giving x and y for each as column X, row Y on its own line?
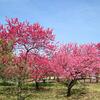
column 25, row 38
column 73, row 61
column 39, row 68
column 97, row 69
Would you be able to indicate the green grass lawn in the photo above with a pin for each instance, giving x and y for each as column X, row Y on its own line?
column 53, row 91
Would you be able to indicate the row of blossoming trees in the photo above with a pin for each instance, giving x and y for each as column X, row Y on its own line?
column 29, row 51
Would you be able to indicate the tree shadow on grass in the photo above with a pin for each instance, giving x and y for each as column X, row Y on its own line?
column 27, row 89
column 5, row 83
column 42, row 86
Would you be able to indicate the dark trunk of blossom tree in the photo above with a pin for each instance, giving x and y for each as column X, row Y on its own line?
column 37, row 85
column 49, row 77
column 54, row 78
column 44, row 81
column 84, row 80
column 90, row 80
column 97, row 78
column 71, row 83
column 58, row 80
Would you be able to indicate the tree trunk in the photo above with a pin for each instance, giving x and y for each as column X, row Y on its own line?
column 58, row 80
column 44, row 81
column 97, row 78
column 71, row 83
column 37, row 85
column 69, row 92
column 49, row 77
column 84, row 80
column 54, row 78
column 90, row 80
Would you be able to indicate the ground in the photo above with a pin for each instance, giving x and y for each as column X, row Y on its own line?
column 53, row 91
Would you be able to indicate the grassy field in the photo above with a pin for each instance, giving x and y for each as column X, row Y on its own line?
column 53, row 91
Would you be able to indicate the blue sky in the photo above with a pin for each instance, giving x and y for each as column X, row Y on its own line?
column 72, row 20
